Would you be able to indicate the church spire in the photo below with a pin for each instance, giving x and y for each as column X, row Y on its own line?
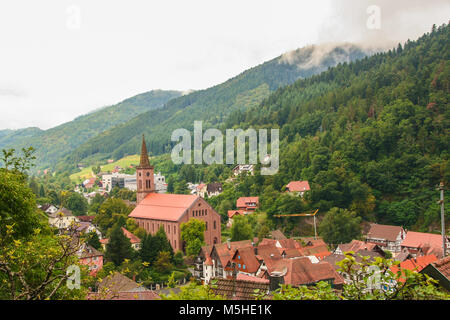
column 145, row 163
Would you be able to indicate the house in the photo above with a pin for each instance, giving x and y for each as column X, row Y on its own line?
column 89, row 183
column 214, row 189
column 357, row 245
column 231, row 214
column 244, row 261
column 247, row 204
column 241, row 288
column 86, row 218
column 155, row 210
column 302, row 272
column 89, row 256
column 241, row 168
column 315, row 247
column 440, row 271
column 201, row 190
column 247, row 258
column 387, row 237
column 277, row 235
column 135, row 241
column 215, row 258
column 62, row 219
column 119, row 287
column 298, row 187
column 48, row 208
column 160, row 183
column 87, row 227
column 419, row 243
column 415, row 264
column 121, row 180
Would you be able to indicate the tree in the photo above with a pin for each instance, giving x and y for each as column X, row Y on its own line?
column 193, row 233
column 241, row 229
column 119, row 246
column 37, row 268
column 17, row 205
column 163, row 263
column 93, row 240
column 110, row 212
column 162, row 243
column 340, row 226
column 149, row 249
column 75, row 202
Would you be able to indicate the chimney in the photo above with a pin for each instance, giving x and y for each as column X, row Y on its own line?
column 228, row 244
column 275, row 280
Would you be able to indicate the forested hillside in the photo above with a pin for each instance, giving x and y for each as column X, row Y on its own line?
column 371, row 136
column 212, row 105
column 56, row 142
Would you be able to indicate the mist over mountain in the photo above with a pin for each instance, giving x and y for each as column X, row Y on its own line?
column 213, row 105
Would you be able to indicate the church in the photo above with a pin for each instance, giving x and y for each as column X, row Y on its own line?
column 154, row 210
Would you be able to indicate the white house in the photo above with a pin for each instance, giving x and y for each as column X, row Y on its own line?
column 62, row 219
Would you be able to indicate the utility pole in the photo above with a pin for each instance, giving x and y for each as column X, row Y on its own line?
column 441, row 202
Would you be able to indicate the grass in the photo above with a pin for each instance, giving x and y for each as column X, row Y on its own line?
column 87, row 173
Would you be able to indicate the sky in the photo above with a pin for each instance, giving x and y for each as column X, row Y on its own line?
column 60, row 59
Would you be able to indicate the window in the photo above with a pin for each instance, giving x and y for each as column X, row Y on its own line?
column 206, row 225
column 148, row 174
column 243, row 266
column 206, row 212
column 239, row 257
column 214, row 224
column 174, row 230
column 239, row 265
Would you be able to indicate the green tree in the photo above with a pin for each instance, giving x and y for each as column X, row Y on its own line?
column 192, row 233
column 119, row 246
column 163, row 263
column 340, row 226
column 93, row 240
column 75, row 202
column 110, row 212
column 241, row 229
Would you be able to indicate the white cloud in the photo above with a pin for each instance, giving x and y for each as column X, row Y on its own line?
column 128, row 47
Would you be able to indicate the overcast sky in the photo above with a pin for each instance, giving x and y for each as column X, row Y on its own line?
column 60, row 59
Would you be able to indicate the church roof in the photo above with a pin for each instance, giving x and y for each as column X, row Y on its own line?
column 163, row 206
column 145, row 162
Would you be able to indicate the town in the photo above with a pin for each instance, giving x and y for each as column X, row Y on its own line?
column 236, row 268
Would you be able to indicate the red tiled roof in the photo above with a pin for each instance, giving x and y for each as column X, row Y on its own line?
column 414, row 264
column 443, row 265
column 298, row 186
column 232, row 213
column 302, row 271
column 380, row 231
column 420, row 239
column 86, row 218
column 242, row 276
column 357, row 245
column 224, row 254
column 248, row 258
column 163, row 206
column 322, row 255
column 242, row 201
column 129, row 235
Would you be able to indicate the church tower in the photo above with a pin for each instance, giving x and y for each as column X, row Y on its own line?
column 144, row 175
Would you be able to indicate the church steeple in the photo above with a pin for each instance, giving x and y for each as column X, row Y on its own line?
column 145, row 162
column 144, row 175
